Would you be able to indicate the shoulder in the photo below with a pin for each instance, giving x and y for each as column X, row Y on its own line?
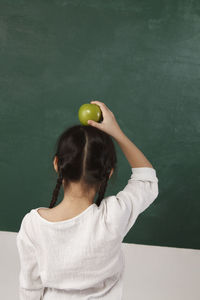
column 26, row 221
column 28, row 227
column 26, row 218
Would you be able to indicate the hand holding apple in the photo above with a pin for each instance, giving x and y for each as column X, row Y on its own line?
column 109, row 123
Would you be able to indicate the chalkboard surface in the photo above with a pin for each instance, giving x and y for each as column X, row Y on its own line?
column 139, row 57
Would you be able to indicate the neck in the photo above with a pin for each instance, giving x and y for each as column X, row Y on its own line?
column 74, row 196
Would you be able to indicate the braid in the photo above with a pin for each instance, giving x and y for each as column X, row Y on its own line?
column 102, row 189
column 56, row 190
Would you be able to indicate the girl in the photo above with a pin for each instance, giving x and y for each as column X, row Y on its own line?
column 73, row 250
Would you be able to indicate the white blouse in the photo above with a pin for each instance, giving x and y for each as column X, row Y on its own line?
column 82, row 258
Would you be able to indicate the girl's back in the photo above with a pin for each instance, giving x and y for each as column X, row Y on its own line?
column 81, row 257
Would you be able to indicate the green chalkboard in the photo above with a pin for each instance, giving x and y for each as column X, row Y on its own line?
column 139, row 57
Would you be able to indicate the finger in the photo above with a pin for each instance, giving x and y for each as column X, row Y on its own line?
column 99, row 102
column 101, row 105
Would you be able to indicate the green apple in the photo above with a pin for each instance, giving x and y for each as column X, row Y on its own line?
column 89, row 112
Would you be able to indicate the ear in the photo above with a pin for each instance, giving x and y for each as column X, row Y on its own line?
column 55, row 163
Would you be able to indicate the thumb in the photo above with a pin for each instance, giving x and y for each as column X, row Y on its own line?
column 93, row 123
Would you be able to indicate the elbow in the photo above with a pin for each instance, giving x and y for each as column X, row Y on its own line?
column 156, row 191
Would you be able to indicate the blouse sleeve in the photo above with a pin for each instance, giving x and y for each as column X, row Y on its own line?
column 30, row 284
column 122, row 210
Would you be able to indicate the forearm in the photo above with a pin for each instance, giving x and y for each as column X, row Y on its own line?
column 134, row 156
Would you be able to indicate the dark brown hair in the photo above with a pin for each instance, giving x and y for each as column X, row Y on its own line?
column 85, row 154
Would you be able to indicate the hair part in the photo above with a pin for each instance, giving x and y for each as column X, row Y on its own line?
column 86, row 155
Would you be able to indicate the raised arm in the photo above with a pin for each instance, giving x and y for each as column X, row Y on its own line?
column 109, row 125
column 134, row 156
column 121, row 210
